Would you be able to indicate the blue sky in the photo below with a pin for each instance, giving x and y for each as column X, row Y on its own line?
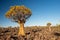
column 43, row 11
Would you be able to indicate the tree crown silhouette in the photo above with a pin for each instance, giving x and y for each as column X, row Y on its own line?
column 18, row 13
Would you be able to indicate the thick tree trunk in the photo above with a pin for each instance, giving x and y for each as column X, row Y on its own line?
column 21, row 30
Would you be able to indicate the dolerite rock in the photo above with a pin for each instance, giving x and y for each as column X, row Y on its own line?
column 8, row 33
column 27, row 33
column 5, row 30
column 21, row 38
column 36, row 37
column 12, row 39
column 28, row 37
column 14, row 33
column 1, row 34
column 9, row 37
column 57, row 33
column 31, row 34
column 15, row 37
column 34, row 31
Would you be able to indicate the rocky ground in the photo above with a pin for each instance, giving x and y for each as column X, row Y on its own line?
column 32, row 33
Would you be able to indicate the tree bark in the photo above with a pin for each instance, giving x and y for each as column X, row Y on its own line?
column 21, row 30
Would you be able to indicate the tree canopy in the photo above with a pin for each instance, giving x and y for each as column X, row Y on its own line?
column 20, row 13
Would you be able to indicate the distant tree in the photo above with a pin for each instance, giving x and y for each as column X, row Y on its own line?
column 19, row 14
column 48, row 24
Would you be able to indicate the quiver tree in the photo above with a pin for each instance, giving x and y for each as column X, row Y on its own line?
column 19, row 14
column 48, row 25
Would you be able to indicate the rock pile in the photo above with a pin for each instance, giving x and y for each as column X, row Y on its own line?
column 32, row 33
